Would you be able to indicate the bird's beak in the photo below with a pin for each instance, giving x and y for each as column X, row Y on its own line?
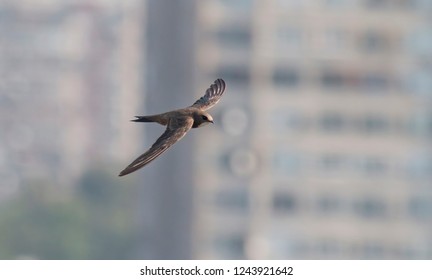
column 211, row 121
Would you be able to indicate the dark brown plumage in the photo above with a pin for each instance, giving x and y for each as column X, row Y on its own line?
column 178, row 123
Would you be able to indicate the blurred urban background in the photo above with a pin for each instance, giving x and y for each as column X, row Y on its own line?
column 321, row 147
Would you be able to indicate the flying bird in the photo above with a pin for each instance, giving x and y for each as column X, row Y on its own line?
column 178, row 123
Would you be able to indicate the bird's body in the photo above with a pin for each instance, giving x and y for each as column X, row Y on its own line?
column 178, row 123
column 189, row 112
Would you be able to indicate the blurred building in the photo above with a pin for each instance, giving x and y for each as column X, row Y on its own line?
column 321, row 147
column 324, row 143
column 71, row 73
column 167, row 184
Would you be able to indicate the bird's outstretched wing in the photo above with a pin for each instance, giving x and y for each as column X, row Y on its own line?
column 211, row 96
column 176, row 129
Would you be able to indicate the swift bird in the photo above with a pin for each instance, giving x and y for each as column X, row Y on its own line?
column 178, row 123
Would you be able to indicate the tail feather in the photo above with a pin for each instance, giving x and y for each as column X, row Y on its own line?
column 144, row 119
column 161, row 119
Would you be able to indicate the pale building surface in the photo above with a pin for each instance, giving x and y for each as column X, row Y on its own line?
column 324, row 145
column 71, row 76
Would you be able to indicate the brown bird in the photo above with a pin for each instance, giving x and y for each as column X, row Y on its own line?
column 178, row 123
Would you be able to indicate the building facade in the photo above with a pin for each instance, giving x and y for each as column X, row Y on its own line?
column 71, row 74
column 323, row 148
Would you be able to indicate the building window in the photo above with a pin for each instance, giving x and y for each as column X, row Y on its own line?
column 289, row 36
column 372, row 250
column 283, row 4
column 234, row 37
column 288, row 120
column 370, row 208
column 332, row 162
column 420, row 207
column 420, row 166
column 284, row 203
column 335, row 39
column 238, row 5
column 332, row 122
column 286, row 163
column 374, row 41
column 372, row 166
column 332, row 79
column 374, row 4
column 285, row 246
column 241, row 162
column 327, row 204
column 419, row 82
column 420, row 124
column 423, row 5
column 235, row 74
column 232, row 200
column 286, row 77
column 328, row 248
column 375, row 82
column 373, row 124
column 338, row 3
column 230, row 247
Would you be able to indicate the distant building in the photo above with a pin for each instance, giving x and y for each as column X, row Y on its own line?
column 167, row 184
column 323, row 144
column 71, row 76
column 321, row 148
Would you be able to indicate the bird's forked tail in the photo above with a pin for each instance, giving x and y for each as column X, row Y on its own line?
column 161, row 119
column 144, row 119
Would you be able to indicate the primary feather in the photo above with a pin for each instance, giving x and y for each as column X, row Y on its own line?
column 211, row 96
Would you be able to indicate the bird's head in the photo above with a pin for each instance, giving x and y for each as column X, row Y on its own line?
column 202, row 118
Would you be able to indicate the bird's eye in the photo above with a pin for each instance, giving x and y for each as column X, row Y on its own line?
column 205, row 118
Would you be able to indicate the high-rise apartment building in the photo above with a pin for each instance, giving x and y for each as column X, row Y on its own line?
column 71, row 73
column 167, row 184
column 323, row 148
